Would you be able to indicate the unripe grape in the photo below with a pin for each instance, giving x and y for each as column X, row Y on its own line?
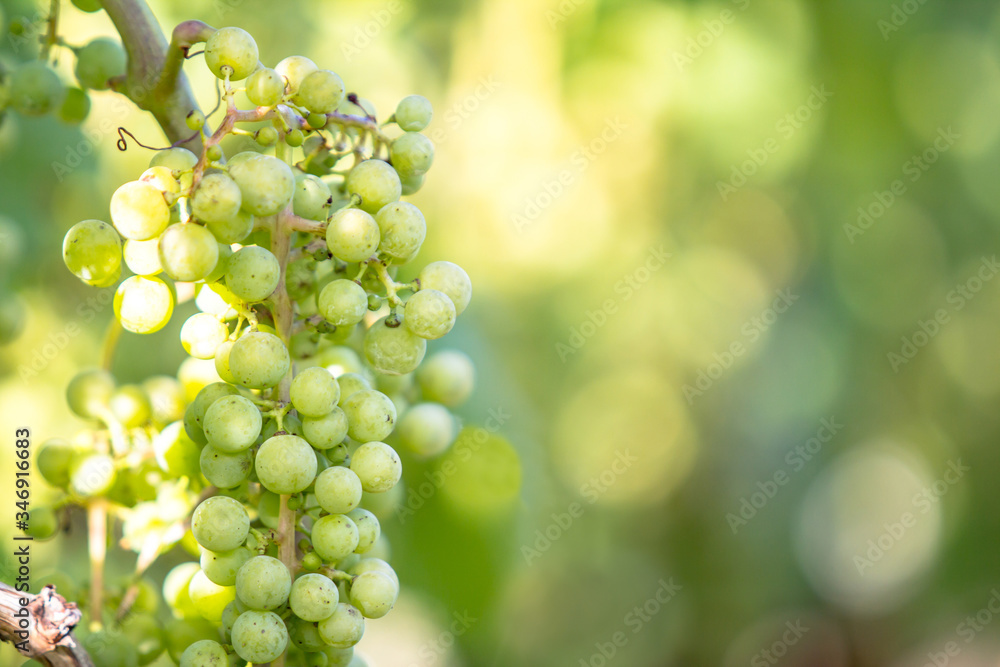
column 267, row 183
column 412, row 153
column 217, row 199
column 294, row 69
column 53, row 461
column 253, row 273
column 373, row 564
column 377, row 466
column 42, row 523
column 194, row 415
column 138, row 211
column 321, row 91
column 75, row 106
column 263, row 582
column 166, row 398
column 448, row 378
column 88, row 6
column 225, row 471
column 393, row 350
column 427, row 429
column 188, row 252
column 371, row 415
column 35, row 89
column 368, row 528
column 130, row 406
column 449, row 278
column 352, row 235
column 343, row 302
column 334, row 536
column 286, row 464
column 175, row 159
column 402, row 229
column 209, row 598
column 326, row 431
column 221, row 566
column 91, row 475
column 266, row 136
column 265, row 87
column 161, row 178
column 344, row 628
column 413, row 113
column 429, row 314
column 313, row 597
column 231, row 48
column 143, row 304
column 98, row 62
column 305, row 635
column 204, row 653
column 222, row 265
column 338, row 490
column 411, row 183
column 232, row 424
column 312, row 197
column 214, row 153
column 195, row 120
column 314, row 392
column 202, row 334
column 294, row 138
column 234, row 229
column 220, row 524
column 376, row 182
column 374, row 594
column 92, row 251
column 259, row 636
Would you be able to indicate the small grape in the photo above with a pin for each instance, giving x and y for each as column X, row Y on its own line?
column 204, row 653
column 231, row 48
column 195, row 120
column 259, row 360
column 217, row 199
column 224, row 470
column 92, row 251
column 266, row 136
column 294, row 69
column 314, row 392
column 334, row 536
column 138, row 211
column 92, row 475
column 42, row 523
column 130, row 406
column 429, row 314
column 393, row 350
column 338, row 490
column 232, row 424
column 259, row 636
column 312, row 198
column 413, row 113
column 75, row 106
column 343, row 302
column 214, row 153
column 286, row 464
column 326, row 431
column 221, row 566
column 53, row 461
column 352, row 235
column 161, row 178
column 89, row 393
column 265, row 87
column 194, row 415
column 412, row 154
column 313, row 597
column 143, row 305
column 267, row 183
column 377, row 466
column 294, row 138
column 35, row 89
column 321, row 91
column 142, row 257
column 344, row 628
column 368, row 528
column 175, row 159
column 188, row 252
column 305, row 635
column 402, row 229
column 98, row 62
column 253, row 273
column 371, row 415
column 234, row 229
column 88, row 6
column 350, row 383
column 427, row 429
column 376, row 182
column 448, row 378
column 263, row 583
column 220, row 524
column 448, row 278
column 411, row 183
column 374, row 594
column 202, row 334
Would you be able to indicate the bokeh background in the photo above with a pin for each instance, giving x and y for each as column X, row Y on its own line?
column 734, row 306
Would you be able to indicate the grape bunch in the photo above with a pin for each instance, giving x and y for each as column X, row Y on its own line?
column 279, row 437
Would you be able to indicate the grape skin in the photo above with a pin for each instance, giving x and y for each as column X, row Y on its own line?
column 220, row 523
column 344, row 628
column 92, row 251
column 265, row 87
column 286, row 464
column 217, row 199
column 188, row 252
column 413, row 113
column 429, row 314
column 326, row 431
column 202, row 334
column 371, row 415
column 232, row 424
column 338, row 490
column 313, row 597
column 266, row 183
column 377, row 466
column 209, row 598
column 143, row 305
column 98, row 62
column 393, row 350
column 412, row 154
column 259, row 360
column 139, row 212
column 334, row 536
column 321, row 91
column 225, row 470
column 448, row 378
column 373, row 594
column 231, row 48
column 204, row 653
column 368, row 528
column 376, row 182
column 142, row 257
column 314, row 392
column 294, row 69
column 343, row 302
column 449, row 278
column 263, row 583
column 253, row 273
column 427, row 429
column 352, row 234
column 402, row 229
column 259, row 636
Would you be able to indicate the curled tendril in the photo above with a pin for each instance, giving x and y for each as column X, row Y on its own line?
column 122, row 142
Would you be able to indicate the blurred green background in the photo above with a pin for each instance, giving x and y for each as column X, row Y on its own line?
column 734, row 307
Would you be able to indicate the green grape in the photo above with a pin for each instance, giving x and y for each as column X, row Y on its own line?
column 142, row 257
column 294, row 69
column 411, row 183
column 143, row 304
column 314, row 392
column 143, row 632
column 91, row 475
column 89, row 393
column 263, row 583
column 300, row 278
column 344, row 628
column 351, row 383
column 194, row 416
column 110, row 649
column 231, row 51
column 175, row 159
column 326, row 431
column 334, row 536
column 265, row 87
column 188, row 252
column 312, row 197
column 429, row 314
column 352, row 235
column 217, row 199
column 42, row 523
column 209, row 598
column 376, row 182
column 313, row 597
column 340, row 359
column 75, row 106
column 220, row 524
column 234, row 229
column 259, row 360
column 229, row 616
column 130, row 406
column 266, row 136
column 222, row 361
column 286, row 464
column 221, row 567
column 370, row 564
column 448, row 378
column 195, row 120
column 175, row 589
column 88, row 6
column 368, row 528
column 402, row 229
column 413, row 113
column 138, row 211
column 311, row 561
column 225, row 470
column 92, row 251
column 338, row 490
column 343, row 302
column 269, row 509
column 161, row 178
column 321, row 91
column 377, row 466
column 222, row 265
column 259, row 636
column 214, row 153
column 427, row 429
column 34, row 89
column 204, row 653
column 448, row 278
column 166, row 398
column 371, row 415
column 253, row 273
column 412, row 154
column 53, row 461
column 232, row 424
column 316, row 120
column 202, row 334
column 305, row 635
column 295, row 138
column 266, row 182
column 98, row 62
column 373, row 594
column 393, row 350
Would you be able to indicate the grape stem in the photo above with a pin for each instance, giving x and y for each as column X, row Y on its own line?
column 335, row 574
column 52, row 36
column 391, row 286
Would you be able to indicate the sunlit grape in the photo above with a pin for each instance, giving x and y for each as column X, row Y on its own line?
column 402, row 229
column 232, row 52
column 98, row 62
column 143, row 304
column 259, row 360
column 449, row 278
column 293, row 70
column 266, row 183
column 217, row 199
column 188, row 252
column 376, row 183
column 352, row 235
column 92, row 251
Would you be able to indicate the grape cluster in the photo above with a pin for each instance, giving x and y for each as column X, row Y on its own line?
column 307, row 354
